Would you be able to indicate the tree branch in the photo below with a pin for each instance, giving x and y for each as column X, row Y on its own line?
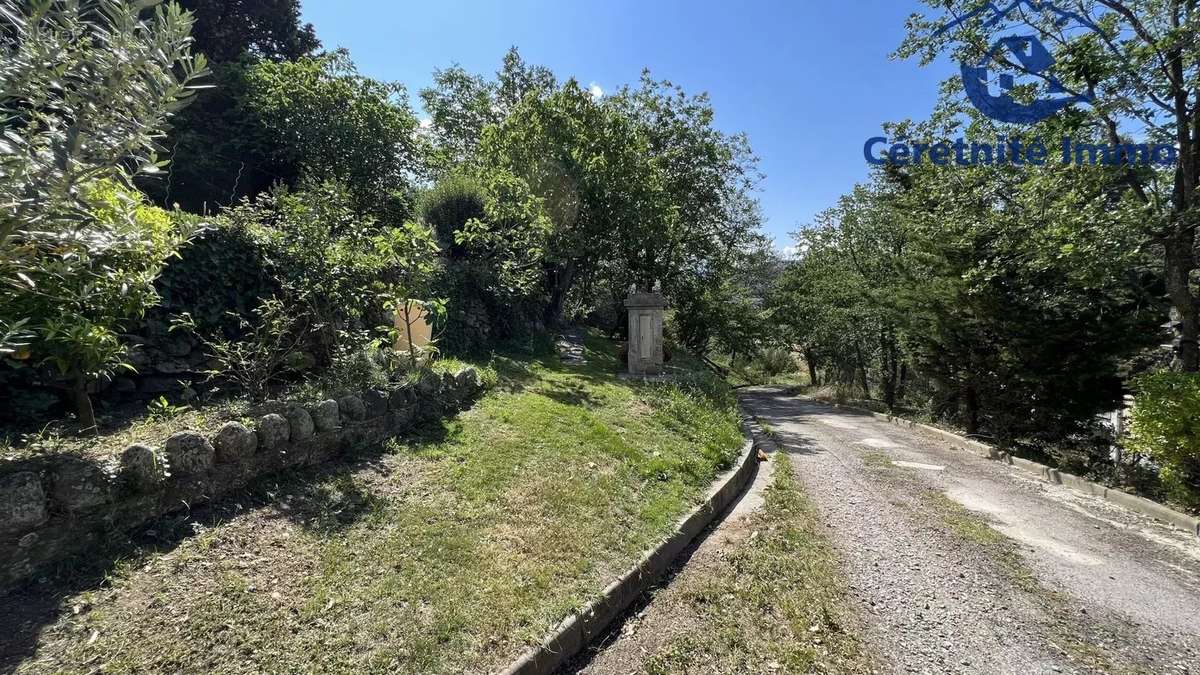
column 1140, row 29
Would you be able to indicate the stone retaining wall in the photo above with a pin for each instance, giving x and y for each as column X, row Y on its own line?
column 57, row 506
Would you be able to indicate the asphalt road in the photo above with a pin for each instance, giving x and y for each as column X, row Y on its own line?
column 961, row 564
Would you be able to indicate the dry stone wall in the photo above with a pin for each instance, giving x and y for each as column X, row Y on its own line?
column 58, row 506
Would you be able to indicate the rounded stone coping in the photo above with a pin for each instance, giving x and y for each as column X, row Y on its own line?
column 575, row 632
column 53, row 507
column 77, row 483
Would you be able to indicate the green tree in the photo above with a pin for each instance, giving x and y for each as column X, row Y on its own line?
column 1165, row 426
column 588, row 165
column 706, row 179
column 270, row 29
column 79, row 252
column 492, row 233
column 410, row 254
column 220, row 151
column 78, row 297
column 829, row 303
column 1030, row 285
column 1138, row 61
column 330, row 123
column 1013, row 294
column 721, row 317
column 461, row 105
column 639, row 187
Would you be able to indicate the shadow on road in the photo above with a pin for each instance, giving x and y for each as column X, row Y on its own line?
column 776, row 407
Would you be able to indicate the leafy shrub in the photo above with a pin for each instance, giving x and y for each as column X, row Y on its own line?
column 218, row 276
column 89, row 284
column 78, row 251
column 327, row 122
column 314, row 257
column 772, row 361
column 265, row 352
column 409, row 253
column 358, row 362
column 449, row 206
column 492, row 230
column 308, row 248
column 162, row 409
column 66, row 127
column 1165, row 426
column 716, row 315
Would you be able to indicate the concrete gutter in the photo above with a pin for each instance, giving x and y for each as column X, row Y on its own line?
column 576, row 631
column 1134, row 503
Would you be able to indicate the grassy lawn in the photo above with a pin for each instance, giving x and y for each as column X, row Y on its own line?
column 775, row 604
column 446, row 553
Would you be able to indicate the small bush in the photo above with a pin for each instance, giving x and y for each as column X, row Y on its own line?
column 773, row 361
column 449, row 205
column 260, row 359
column 310, row 249
column 492, row 232
column 76, row 292
column 1165, row 426
column 358, row 361
column 840, row 394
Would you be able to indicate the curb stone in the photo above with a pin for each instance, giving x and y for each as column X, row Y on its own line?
column 1134, row 503
column 575, row 632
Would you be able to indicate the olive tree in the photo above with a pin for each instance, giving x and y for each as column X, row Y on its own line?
column 86, row 88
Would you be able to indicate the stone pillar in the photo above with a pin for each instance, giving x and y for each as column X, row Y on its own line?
column 645, row 332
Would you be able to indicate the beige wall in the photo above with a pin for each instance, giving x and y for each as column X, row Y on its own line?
column 422, row 332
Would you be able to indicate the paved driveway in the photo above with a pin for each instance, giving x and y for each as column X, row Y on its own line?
column 961, row 564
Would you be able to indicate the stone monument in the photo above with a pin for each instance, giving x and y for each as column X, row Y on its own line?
column 645, row 332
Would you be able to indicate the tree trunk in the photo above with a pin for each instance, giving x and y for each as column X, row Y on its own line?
column 890, row 375
column 1180, row 243
column 845, row 374
column 971, row 398
column 83, row 403
column 1179, row 265
column 412, row 348
column 561, row 279
column 862, row 372
column 810, row 359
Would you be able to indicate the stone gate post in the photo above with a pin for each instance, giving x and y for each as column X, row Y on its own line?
column 645, row 332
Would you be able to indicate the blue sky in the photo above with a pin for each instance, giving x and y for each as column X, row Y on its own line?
column 808, row 81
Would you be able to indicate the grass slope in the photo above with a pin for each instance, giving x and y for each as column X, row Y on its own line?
column 448, row 553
